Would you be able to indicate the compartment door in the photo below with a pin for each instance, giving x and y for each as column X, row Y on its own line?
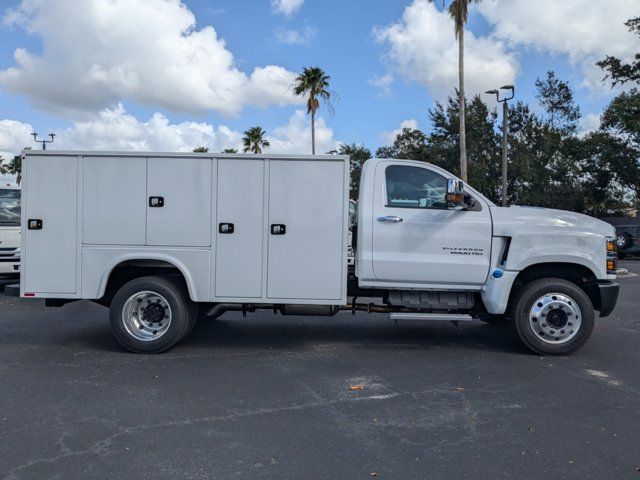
column 239, row 228
column 179, row 202
column 114, row 210
column 49, row 259
column 307, row 261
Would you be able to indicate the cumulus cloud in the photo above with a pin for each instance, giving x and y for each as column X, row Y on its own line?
column 96, row 53
column 295, row 137
column 286, row 7
column 14, row 136
column 422, row 47
column 382, row 83
column 115, row 129
column 584, row 30
column 590, row 123
column 295, row 37
column 389, row 137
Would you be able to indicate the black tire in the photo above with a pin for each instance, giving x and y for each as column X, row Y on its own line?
column 624, row 241
column 183, row 313
column 523, row 303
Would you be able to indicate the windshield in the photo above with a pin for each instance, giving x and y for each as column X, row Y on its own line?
column 9, row 207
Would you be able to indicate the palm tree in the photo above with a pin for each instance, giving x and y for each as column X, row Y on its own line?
column 14, row 167
column 314, row 83
column 254, row 141
column 458, row 11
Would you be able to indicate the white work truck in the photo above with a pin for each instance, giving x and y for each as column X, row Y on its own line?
column 159, row 237
column 9, row 233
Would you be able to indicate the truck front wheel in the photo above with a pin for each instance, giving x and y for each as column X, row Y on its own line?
column 553, row 316
column 151, row 314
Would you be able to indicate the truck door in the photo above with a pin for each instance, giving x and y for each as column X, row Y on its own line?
column 179, row 202
column 239, row 228
column 417, row 241
column 50, row 230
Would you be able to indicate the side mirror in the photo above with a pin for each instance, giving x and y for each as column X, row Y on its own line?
column 456, row 198
column 455, row 193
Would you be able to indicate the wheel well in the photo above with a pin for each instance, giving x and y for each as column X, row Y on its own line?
column 129, row 270
column 572, row 272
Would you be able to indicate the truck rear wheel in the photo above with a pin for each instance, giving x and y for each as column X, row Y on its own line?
column 553, row 316
column 152, row 314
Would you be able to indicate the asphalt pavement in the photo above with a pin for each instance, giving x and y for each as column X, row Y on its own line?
column 268, row 397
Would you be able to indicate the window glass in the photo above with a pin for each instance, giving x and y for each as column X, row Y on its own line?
column 415, row 187
column 9, row 207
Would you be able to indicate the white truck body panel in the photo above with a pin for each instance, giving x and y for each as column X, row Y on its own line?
column 113, row 200
column 92, row 225
column 240, row 258
column 51, row 266
column 185, row 220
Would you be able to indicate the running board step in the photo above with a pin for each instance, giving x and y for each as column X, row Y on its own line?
column 447, row 317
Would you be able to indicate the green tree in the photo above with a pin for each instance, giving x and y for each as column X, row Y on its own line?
column 608, row 171
column 618, row 71
column 14, row 167
column 313, row 83
column 409, row 144
column 253, row 140
column 358, row 154
column 483, row 142
column 556, row 97
column 622, row 117
column 544, row 149
column 459, row 11
column 201, row 150
column 230, row 150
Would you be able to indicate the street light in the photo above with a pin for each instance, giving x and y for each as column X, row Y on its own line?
column 505, row 133
column 44, row 142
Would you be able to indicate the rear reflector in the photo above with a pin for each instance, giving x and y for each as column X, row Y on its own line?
column 29, row 294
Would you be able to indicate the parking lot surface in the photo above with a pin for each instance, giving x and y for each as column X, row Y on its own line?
column 309, row 398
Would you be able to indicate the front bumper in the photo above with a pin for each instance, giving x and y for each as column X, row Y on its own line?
column 10, row 268
column 608, row 296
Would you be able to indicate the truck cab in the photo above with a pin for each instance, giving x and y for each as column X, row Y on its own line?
column 158, row 236
column 9, row 232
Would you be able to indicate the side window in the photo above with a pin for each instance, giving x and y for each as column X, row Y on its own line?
column 415, row 187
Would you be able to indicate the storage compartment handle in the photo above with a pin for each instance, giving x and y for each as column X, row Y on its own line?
column 278, row 229
column 226, row 228
column 156, row 202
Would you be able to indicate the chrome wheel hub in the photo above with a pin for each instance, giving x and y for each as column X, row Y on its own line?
column 620, row 240
column 555, row 318
column 146, row 316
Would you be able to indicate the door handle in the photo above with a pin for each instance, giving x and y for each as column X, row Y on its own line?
column 391, row 219
column 34, row 224
column 156, row 202
column 278, row 229
column 226, row 228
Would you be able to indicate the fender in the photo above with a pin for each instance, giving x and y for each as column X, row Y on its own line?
column 193, row 265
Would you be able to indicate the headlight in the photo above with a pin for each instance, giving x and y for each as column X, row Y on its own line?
column 612, row 256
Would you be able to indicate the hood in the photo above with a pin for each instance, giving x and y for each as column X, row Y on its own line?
column 506, row 220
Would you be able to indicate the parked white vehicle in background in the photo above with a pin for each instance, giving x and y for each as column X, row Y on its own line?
column 9, row 232
column 154, row 235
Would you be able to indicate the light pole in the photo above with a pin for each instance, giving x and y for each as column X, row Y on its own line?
column 44, row 142
column 505, row 133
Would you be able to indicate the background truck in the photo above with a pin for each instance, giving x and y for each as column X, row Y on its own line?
column 157, row 237
column 9, row 233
